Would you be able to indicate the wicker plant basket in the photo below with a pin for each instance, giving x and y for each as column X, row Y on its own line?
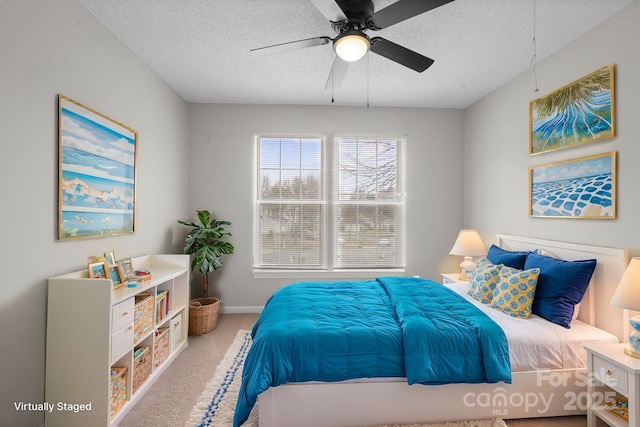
column 203, row 315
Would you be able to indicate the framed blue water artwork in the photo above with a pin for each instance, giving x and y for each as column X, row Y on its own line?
column 578, row 113
column 578, row 188
column 96, row 173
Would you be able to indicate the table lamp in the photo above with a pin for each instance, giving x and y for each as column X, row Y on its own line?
column 628, row 296
column 468, row 244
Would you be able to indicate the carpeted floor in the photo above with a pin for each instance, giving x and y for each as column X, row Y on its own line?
column 170, row 401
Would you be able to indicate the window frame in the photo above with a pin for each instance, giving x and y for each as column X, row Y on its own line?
column 329, row 195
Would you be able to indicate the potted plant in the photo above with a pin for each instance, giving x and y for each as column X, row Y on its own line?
column 206, row 242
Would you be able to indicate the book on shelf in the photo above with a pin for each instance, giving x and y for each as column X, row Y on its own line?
column 162, row 305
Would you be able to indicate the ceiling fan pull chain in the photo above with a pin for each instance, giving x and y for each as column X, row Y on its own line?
column 534, row 60
column 368, row 78
column 332, row 100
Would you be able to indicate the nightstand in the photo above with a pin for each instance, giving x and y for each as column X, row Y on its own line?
column 612, row 374
column 452, row 278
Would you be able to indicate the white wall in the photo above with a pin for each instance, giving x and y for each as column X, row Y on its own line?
column 497, row 144
column 51, row 47
column 200, row 157
column 221, row 179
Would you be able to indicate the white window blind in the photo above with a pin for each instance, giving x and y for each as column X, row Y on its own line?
column 346, row 213
column 291, row 207
column 369, row 205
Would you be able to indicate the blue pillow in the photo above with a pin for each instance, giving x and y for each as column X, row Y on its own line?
column 512, row 259
column 561, row 285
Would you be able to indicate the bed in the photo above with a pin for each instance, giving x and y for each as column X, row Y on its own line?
column 382, row 389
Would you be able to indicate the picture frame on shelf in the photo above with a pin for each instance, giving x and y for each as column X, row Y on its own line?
column 126, row 266
column 578, row 188
column 98, row 270
column 580, row 112
column 110, row 258
column 115, row 274
column 96, row 173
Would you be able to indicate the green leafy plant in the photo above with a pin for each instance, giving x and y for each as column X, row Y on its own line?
column 206, row 242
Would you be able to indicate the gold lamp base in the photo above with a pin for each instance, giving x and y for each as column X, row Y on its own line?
column 463, row 278
column 631, row 352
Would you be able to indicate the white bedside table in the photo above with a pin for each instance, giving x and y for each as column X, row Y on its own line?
column 610, row 373
column 452, row 278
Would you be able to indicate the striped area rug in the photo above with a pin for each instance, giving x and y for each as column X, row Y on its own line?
column 217, row 402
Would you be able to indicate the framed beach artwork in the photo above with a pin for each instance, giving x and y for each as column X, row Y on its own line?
column 126, row 267
column 115, row 274
column 97, row 270
column 578, row 188
column 581, row 112
column 96, row 173
column 110, row 257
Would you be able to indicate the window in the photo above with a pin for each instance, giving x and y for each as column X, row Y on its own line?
column 369, row 204
column 291, row 210
column 315, row 214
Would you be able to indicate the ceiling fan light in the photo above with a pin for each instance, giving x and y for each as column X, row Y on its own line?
column 351, row 47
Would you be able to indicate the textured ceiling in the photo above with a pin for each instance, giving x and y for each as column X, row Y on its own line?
column 201, row 48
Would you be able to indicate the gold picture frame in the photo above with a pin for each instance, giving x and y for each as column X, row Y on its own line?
column 115, row 274
column 578, row 188
column 110, row 258
column 96, row 173
column 126, row 266
column 97, row 270
column 580, row 112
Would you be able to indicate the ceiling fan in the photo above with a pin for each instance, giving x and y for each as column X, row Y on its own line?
column 350, row 19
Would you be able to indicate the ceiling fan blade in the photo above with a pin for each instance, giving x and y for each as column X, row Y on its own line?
column 399, row 54
column 338, row 71
column 289, row 46
column 403, row 10
column 330, row 10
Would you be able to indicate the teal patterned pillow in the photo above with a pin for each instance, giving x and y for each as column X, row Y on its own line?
column 484, row 279
column 515, row 291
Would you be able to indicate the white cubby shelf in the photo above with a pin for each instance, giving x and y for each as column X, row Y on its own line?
column 90, row 331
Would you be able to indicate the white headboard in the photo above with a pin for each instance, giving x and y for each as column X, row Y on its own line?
column 611, row 264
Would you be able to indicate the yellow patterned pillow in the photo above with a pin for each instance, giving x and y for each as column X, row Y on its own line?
column 484, row 279
column 515, row 291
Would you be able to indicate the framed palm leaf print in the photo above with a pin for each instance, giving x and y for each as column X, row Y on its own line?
column 581, row 112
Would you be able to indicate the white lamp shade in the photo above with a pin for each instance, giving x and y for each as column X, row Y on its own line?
column 351, row 47
column 628, row 293
column 468, row 243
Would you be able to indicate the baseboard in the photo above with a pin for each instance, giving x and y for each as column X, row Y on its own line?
column 241, row 309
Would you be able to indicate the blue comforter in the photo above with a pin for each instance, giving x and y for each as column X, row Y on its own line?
column 388, row 327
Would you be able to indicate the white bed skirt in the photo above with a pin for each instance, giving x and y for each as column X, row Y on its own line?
column 349, row 404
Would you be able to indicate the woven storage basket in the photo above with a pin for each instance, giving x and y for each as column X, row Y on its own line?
column 160, row 346
column 203, row 315
column 141, row 368
column 143, row 315
column 118, row 389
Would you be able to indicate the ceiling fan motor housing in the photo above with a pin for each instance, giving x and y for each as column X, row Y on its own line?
column 357, row 11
